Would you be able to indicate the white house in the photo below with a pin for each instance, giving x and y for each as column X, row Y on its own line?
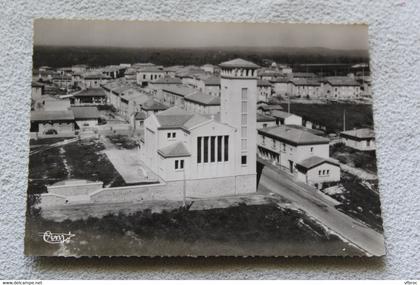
column 149, row 74
column 264, row 90
column 265, row 121
column 174, row 95
column 86, row 117
column 44, row 123
column 280, row 85
column 37, row 90
column 93, row 80
column 209, row 157
column 360, row 139
column 341, row 88
column 317, row 170
column 285, row 118
column 305, row 88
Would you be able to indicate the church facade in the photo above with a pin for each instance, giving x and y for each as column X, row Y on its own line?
column 209, row 155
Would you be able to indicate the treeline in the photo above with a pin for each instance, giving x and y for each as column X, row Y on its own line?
column 99, row 56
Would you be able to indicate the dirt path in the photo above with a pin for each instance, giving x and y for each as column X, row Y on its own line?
column 362, row 174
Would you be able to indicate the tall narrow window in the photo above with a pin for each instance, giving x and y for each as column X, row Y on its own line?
column 219, row 148
column 199, row 150
column 243, row 160
column 176, row 164
column 212, row 149
column 226, row 147
column 181, row 166
column 244, row 94
column 206, row 149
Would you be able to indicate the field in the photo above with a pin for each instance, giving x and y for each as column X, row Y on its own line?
column 357, row 200
column 239, row 230
column 77, row 160
column 331, row 115
column 365, row 160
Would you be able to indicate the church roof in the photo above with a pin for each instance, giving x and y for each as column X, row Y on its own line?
column 176, row 118
column 238, row 63
column 177, row 149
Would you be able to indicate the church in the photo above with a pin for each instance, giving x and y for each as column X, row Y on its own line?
column 210, row 155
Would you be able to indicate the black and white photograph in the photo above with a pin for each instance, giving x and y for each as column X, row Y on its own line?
column 201, row 139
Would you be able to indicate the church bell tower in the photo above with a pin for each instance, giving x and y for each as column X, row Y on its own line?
column 238, row 83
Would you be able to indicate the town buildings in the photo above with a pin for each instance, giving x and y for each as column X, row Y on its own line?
column 90, row 96
column 148, row 74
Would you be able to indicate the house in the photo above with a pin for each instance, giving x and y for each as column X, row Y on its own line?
column 90, row 96
column 210, row 86
column 267, row 109
column 86, row 117
column 152, row 107
column 148, row 74
column 79, row 68
column 360, row 139
column 264, row 90
column 210, row 68
column 93, row 80
column 49, row 103
column 131, row 102
column 137, row 120
column 37, row 90
column 114, row 71
column 265, row 121
column 174, row 95
column 341, row 88
column 62, row 80
column 202, row 103
column 45, row 123
column 317, row 170
column 285, row 118
column 304, row 88
column 303, row 75
column 280, row 85
column 286, row 146
column 203, row 156
column 156, row 86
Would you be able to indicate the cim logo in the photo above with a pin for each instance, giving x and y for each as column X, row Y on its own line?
column 57, row 238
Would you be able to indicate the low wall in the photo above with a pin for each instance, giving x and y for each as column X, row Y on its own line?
column 170, row 191
column 75, row 189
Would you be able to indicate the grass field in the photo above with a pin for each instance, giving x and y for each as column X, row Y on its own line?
column 331, row 115
column 365, row 160
column 78, row 160
column 239, row 230
column 358, row 201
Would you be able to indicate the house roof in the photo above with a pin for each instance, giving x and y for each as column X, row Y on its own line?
column 52, row 116
column 270, row 107
column 212, row 81
column 91, row 92
column 95, row 76
column 168, row 80
column 82, row 112
column 203, row 99
column 281, row 114
column 359, row 134
column 314, row 161
column 280, row 80
column 180, row 90
column 153, row 105
column 176, row 118
column 37, row 84
column 293, row 136
column 151, row 68
column 238, row 63
column 262, row 82
column 341, row 81
column 140, row 116
column 305, row 82
column 265, row 118
column 177, row 149
column 304, row 74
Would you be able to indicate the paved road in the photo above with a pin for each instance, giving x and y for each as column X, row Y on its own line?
column 317, row 206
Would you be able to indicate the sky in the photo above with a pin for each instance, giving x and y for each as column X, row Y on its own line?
column 138, row 34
